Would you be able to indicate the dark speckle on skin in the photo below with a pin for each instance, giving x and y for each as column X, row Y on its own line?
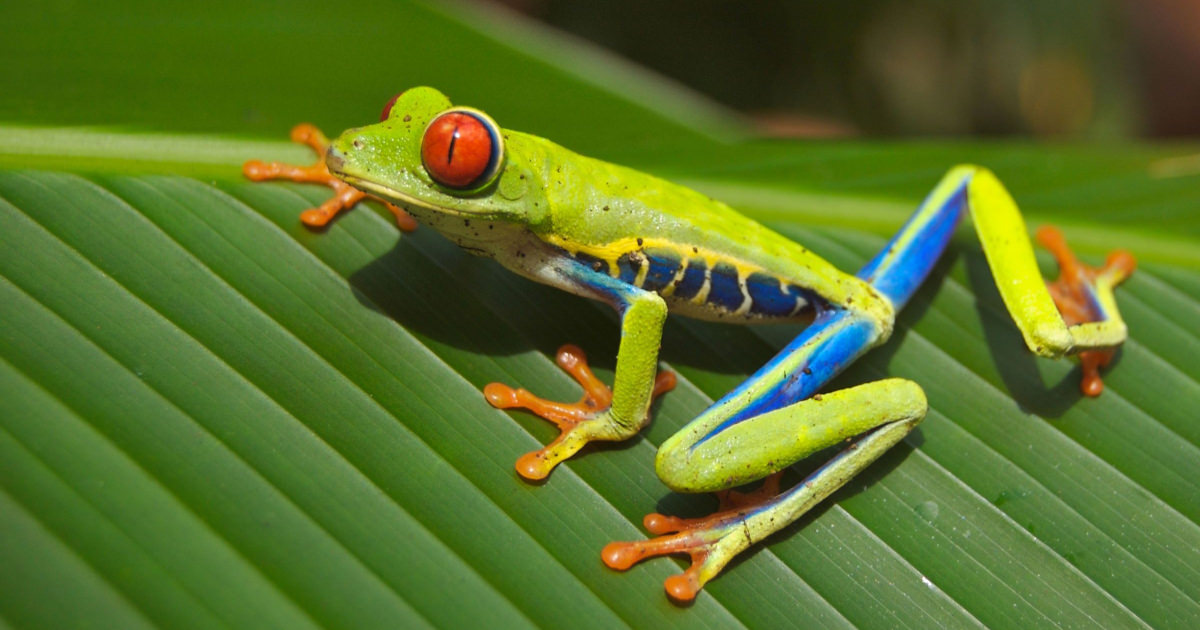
column 606, row 208
column 639, row 242
column 407, row 118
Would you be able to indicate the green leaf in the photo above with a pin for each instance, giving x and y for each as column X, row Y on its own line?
column 213, row 416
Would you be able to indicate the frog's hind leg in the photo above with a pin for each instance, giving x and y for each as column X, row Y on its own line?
column 771, row 421
column 1082, row 294
column 1075, row 315
column 887, row 410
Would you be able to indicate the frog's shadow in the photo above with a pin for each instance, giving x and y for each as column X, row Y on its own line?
column 436, row 290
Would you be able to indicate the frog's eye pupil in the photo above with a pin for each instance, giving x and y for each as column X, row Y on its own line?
column 461, row 149
column 387, row 109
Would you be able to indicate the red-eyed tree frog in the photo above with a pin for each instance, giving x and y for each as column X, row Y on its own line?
column 648, row 247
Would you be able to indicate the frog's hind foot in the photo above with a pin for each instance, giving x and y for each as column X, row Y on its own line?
column 344, row 197
column 711, row 541
column 1076, row 291
column 579, row 422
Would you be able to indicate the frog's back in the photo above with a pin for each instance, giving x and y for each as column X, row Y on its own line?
column 704, row 258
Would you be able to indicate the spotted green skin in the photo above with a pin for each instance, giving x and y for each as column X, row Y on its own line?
column 646, row 247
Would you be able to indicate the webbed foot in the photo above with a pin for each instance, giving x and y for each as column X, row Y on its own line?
column 1074, row 294
column 579, row 422
column 344, row 195
column 711, row 541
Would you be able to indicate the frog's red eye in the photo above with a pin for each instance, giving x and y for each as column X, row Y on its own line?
column 387, row 109
column 462, row 149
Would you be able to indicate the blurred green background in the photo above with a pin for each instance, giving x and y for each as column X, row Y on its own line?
column 1057, row 68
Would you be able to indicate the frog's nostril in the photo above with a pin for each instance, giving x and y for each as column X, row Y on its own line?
column 358, row 144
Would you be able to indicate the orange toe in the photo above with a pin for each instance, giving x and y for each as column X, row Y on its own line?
column 570, row 418
column 344, row 197
column 1073, row 292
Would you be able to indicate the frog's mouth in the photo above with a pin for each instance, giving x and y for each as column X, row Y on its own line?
column 336, row 162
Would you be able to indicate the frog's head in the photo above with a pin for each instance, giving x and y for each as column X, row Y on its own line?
column 451, row 167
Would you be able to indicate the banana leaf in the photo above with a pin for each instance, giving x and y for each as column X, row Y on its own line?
column 212, row 416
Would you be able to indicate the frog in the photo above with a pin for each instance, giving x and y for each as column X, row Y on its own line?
column 647, row 248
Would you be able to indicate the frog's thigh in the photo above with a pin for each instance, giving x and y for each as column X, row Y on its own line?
column 759, row 446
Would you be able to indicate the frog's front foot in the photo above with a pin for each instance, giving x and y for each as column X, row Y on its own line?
column 1074, row 294
column 344, row 197
column 579, row 422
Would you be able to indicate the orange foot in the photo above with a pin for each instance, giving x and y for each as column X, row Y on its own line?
column 578, row 422
column 711, row 541
column 1072, row 293
column 344, row 195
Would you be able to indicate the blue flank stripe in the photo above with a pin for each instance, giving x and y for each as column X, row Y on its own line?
column 692, row 281
column 628, row 268
column 768, row 296
column 663, row 266
column 724, row 289
column 897, row 274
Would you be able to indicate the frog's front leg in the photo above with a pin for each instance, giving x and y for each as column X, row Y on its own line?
column 602, row 414
column 344, row 196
